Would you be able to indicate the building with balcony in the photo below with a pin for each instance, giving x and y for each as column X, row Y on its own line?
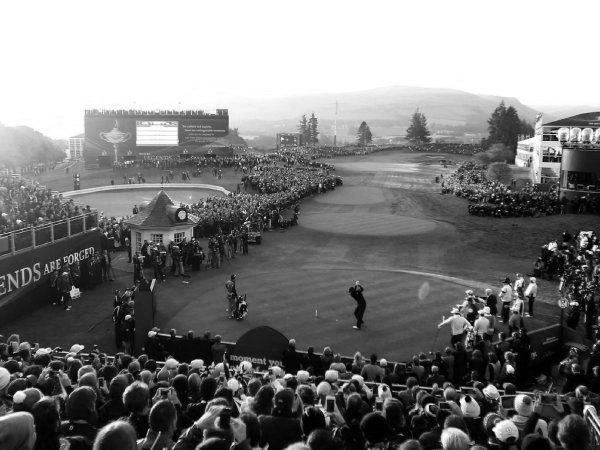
column 565, row 152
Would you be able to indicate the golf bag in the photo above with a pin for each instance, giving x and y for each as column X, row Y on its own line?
column 241, row 308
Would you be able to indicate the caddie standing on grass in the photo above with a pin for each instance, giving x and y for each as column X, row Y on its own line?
column 458, row 326
column 231, row 296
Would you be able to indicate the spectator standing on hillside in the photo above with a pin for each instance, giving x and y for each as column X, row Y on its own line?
column 356, row 292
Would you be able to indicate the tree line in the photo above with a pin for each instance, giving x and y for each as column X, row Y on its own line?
column 23, row 146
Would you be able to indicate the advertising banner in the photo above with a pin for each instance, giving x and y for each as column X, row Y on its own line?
column 24, row 280
column 262, row 346
column 201, row 131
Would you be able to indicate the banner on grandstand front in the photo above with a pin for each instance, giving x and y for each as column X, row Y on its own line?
column 262, row 346
column 32, row 268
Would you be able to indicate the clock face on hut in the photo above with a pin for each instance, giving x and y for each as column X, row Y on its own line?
column 181, row 214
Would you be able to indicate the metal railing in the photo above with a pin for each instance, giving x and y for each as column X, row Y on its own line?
column 32, row 237
column 593, row 423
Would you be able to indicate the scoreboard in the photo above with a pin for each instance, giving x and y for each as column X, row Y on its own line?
column 289, row 140
column 115, row 135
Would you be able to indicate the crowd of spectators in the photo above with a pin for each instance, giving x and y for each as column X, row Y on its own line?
column 25, row 204
column 452, row 148
column 575, row 259
column 51, row 399
column 491, row 198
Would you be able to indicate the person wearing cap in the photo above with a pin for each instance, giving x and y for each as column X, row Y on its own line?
column 519, row 286
column 481, row 325
column 458, row 325
column 489, row 335
column 506, row 432
column 356, row 292
column 515, row 323
column 531, row 293
column 63, row 286
column 506, row 299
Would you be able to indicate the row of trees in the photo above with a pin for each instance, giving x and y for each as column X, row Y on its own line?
column 309, row 130
column 504, row 128
column 23, row 146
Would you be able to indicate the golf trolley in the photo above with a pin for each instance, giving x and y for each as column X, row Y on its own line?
column 241, row 308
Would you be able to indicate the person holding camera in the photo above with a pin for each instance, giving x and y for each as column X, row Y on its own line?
column 162, row 420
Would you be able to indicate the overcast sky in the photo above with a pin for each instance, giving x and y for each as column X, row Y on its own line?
column 60, row 57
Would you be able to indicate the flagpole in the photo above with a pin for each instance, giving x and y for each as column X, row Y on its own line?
column 335, row 125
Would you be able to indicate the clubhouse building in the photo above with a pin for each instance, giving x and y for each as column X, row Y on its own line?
column 565, row 152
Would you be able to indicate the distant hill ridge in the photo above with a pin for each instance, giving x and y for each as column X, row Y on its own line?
column 387, row 110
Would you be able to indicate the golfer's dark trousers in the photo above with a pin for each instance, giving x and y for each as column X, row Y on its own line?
column 456, row 338
column 359, row 313
column 505, row 311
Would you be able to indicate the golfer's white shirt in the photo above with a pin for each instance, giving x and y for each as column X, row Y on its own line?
column 458, row 324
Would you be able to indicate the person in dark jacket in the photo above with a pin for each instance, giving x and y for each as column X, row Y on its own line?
column 292, row 361
column 280, row 429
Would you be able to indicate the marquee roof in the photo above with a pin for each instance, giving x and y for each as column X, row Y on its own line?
column 591, row 119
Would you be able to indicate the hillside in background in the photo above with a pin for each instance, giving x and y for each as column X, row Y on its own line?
column 387, row 111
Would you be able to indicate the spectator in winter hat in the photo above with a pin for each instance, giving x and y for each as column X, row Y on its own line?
column 81, row 414
column 17, row 431
column 524, row 409
column 115, row 435
column 469, row 407
column 18, row 384
column 24, row 400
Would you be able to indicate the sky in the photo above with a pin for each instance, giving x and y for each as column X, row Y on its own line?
column 61, row 57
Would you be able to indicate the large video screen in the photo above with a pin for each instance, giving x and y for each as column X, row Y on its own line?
column 202, row 131
column 114, row 137
column 156, row 133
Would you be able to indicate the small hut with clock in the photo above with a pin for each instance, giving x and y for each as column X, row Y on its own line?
column 161, row 221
